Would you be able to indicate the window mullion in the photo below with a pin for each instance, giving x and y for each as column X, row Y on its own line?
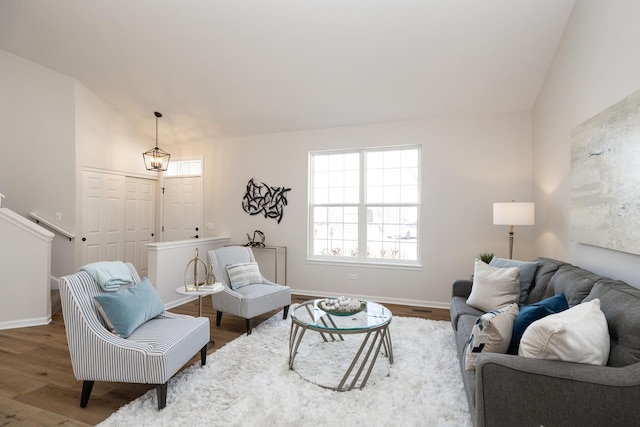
column 362, row 209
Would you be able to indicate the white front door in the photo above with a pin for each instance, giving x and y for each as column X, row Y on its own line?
column 140, row 224
column 182, row 208
column 102, row 217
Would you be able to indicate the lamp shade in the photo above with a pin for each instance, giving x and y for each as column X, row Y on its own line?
column 514, row 213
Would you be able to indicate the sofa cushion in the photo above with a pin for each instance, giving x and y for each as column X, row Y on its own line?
column 578, row 334
column 244, row 274
column 127, row 309
column 620, row 304
column 459, row 307
column 547, row 267
column 491, row 334
column 527, row 272
column 465, row 326
column 530, row 313
column 493, row 287
column 574, row 282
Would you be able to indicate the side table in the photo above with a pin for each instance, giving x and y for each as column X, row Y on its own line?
column 202, row 291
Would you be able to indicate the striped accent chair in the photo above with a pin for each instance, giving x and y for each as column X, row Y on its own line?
column 247, row 301
column 152, row 354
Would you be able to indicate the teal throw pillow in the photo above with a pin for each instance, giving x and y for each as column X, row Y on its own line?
column 124, row 311
column 527, row 273
column 530, row 313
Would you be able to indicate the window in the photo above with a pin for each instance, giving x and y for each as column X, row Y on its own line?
column 184, row 168
column 364, row 205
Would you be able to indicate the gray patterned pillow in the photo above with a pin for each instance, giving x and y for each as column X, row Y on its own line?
column 491, row 334
column 244, row 274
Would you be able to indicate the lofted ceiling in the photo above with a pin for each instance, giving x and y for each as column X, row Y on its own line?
column 231, row 68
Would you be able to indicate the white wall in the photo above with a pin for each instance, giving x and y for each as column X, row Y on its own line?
column 51, row 127
column 596, row 65
column 106, row 141
column 37, row 162
column 25, row 267
column 468, row 163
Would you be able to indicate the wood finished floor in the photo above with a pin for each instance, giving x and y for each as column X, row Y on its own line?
column 37, row 386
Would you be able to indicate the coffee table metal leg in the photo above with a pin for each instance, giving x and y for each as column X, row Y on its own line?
column 388, row 347
column 295, row 343
column 371, row 354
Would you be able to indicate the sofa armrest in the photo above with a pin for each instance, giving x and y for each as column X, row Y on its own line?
column 461, row 288
column 512, row 390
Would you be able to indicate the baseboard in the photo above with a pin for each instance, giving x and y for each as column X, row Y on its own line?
column 25, row 323
column 387, row 300
column 179, row 301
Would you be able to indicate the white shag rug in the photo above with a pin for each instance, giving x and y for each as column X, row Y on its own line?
column 248, row 383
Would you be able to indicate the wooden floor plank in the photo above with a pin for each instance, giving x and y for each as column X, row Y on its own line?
column 37, row 385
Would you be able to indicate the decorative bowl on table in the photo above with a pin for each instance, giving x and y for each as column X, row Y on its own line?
column 342, row 306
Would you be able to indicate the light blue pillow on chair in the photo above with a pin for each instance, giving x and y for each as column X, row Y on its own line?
column 527, row 273
column 124, row 311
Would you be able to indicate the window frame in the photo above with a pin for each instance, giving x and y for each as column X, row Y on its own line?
column 185, row 160
column 363, row 207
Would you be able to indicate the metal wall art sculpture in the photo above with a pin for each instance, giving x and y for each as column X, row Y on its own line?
column 257, row 241
column 270, row 201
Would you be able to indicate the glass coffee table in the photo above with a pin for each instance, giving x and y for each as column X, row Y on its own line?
column 372, row 322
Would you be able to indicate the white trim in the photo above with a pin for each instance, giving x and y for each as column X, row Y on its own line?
column 385, row 264
column 174, row 244
column 378, row 299
column 23, row 223
column 25, row 323
column 120, row 173
column 362, row 206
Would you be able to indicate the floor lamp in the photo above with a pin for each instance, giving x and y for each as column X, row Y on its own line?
column 513, row 213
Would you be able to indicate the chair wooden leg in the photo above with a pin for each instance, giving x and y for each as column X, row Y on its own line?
column 161, row 390
column 203, row 355
column 218, row 317
column 87, row 386
column 286, row 312
column 249, row 323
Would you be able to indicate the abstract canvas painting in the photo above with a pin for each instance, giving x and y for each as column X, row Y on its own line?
column 605, row 178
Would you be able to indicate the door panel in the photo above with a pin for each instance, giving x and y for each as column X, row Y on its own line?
column 183, row 208
column 140, row 221
column 103, row 219
column 118, row 218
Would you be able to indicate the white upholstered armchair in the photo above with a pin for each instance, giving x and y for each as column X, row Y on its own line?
column 151, row 354
column 246, row 292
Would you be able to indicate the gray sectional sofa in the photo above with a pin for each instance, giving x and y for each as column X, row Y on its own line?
column 509, row 390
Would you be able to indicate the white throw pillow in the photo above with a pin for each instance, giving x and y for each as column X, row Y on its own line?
column 491, row 334
column 579, row 334
column 244, row 274
column 493, row 287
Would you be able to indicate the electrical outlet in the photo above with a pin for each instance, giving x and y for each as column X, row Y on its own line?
column 209, row 226
column 353, row 276
column 58, row 216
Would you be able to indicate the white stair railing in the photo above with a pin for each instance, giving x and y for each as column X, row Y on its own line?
column 51, row 226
